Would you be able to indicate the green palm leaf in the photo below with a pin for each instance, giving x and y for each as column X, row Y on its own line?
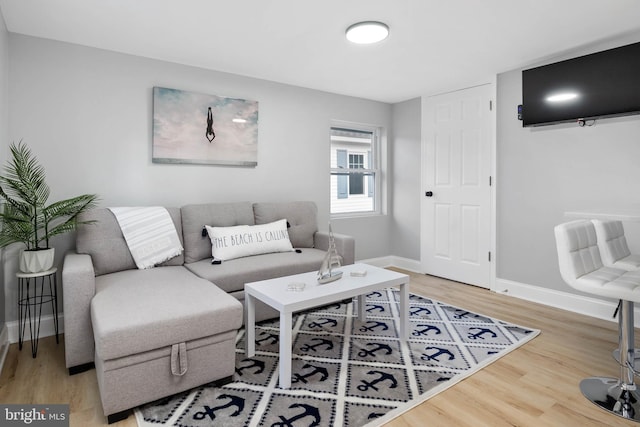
column 26, row 218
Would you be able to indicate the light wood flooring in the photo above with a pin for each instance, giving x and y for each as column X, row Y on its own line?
column 535, row 385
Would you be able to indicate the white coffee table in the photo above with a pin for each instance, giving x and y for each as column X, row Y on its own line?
column 274, row 293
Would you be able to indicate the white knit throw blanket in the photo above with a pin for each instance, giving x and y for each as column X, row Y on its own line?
column 150, row 234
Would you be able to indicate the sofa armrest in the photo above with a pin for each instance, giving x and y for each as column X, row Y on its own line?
column 78, row 287
column 345, row 245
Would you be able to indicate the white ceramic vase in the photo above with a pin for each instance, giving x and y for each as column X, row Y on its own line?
column 36, row 261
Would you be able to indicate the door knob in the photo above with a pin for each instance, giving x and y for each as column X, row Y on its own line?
column 429, row 194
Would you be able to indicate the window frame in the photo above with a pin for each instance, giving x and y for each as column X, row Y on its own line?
column 371, row 172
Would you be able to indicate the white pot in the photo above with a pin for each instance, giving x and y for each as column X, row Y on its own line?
column 36, row 261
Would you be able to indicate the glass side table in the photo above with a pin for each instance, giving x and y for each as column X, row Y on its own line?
column 30, row 302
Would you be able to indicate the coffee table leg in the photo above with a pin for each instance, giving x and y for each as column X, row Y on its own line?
column 250, row 325
column 404, row 311
column 286, row 325
column 362, row 308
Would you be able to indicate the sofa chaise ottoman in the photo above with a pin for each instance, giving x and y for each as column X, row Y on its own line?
column 170, row 332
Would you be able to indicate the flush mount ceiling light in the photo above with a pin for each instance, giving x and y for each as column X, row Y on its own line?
column 367, row 32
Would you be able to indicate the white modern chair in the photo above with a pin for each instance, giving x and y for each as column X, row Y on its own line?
column 581, row 267
column 613, row 245
column 615, row 253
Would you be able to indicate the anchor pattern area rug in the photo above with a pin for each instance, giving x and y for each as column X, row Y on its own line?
column 346, row 372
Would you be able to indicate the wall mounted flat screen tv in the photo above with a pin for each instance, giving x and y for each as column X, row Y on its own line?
column 603, row 84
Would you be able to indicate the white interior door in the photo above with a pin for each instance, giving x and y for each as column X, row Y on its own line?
column 456, row 198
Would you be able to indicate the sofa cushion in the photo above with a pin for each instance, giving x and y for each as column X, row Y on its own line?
column 301, row 216
column 135, row 311
column 195, row 217
column 245, row 240
column 103, row 240
column 231, row 275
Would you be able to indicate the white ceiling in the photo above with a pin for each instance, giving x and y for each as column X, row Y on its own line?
column 434, row 45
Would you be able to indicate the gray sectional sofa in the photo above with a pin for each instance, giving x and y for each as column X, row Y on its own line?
column 155, row 332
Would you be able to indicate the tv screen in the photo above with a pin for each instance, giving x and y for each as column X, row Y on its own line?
column 603, row 84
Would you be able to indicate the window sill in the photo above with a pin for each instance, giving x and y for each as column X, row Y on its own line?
column 348, row 215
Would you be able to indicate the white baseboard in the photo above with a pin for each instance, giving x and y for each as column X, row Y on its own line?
column 47, row 328
column 589, row 306
column 394, row 261
column 4, row 345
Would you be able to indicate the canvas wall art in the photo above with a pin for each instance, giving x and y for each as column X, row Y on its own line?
column 191, row 127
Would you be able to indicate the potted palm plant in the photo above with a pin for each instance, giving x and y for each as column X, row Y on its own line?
column 26, row 218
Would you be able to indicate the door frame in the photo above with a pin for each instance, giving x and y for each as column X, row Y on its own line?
column 494, row 179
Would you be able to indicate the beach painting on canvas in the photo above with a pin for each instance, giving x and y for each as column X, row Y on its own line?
column 190, row 127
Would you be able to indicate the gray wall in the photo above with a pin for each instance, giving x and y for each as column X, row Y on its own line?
column 87, row 115
column 405, row 157
column 4, row 131
column 546, row 171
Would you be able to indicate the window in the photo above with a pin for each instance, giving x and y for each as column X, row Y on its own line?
column 354, row 171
